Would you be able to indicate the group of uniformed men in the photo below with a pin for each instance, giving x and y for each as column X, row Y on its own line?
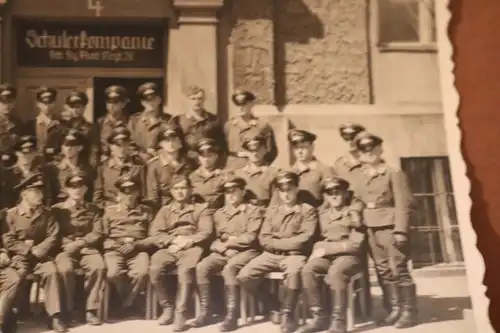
column 132, row 198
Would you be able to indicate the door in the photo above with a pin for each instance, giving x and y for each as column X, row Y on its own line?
column 130, row 84
column 26, row 93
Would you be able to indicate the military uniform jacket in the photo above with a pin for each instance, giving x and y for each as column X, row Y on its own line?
column 238, row 227
column 196, row 127
column 49, row 136
column 122, row 224
column 346, row 165
column 311, row 177
column 237, row 131
column 207, row 186
column 105, row 126
column 159, row 174
column 20, row 227
column 339, row 234
column 288, row 231
column 145, row 127
column 11, row 129
column 109, row 172
column 386, row 196
column 58, row 172
column 80, row 223
column 259, row 182
column 194, row 220
column 89, row 133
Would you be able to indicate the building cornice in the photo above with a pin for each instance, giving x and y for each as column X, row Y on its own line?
column 197, row 11
column 196, row 4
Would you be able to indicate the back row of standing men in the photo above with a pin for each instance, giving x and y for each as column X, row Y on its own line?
column 152, row 147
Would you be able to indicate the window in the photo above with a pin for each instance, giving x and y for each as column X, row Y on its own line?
column 406, row 24
column 434, row 233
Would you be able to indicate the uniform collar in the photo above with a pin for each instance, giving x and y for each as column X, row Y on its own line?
column 110, row 119
column 208, row 174
column 24, row 210
column 295, row 209
column 70, row 203
column 65, row 163
column 303, row 167
column 252, row 122
column 202, row 116
column 253, row 169
column 178, row 207
column 375, row 171
column 231, row 210
column 351, row 160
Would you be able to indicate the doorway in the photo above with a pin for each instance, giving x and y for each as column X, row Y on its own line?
column 130, row 84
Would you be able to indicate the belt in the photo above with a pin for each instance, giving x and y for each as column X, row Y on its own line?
column 284, row 253
column 375, row 205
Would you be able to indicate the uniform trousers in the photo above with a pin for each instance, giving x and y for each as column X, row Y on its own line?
column 391, row 262
column 120, row 269
column 230, row 266
column 10, row 283
column 291, row 265
column 164, row 261
column 338, row 271
column 94, row 269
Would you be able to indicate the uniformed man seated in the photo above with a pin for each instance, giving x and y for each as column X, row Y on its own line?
column 31, row 235
column 258, row 175
column 208, row 179
column 171, row 159
column 119, row 162
column 125, row 248
column 81, row 235
column 286, row 236
column 236, row 226
column 346, row 165
column 180, row 230
column 336, row 254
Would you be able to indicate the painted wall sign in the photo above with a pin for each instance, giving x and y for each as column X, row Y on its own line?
column 90, row 45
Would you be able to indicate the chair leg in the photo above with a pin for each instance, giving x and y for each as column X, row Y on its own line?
column 243, row 306
column 252, row 305
column 350, row 306
column 197, row 304
column 154, row 305
column 149, row 293
column 105, row 301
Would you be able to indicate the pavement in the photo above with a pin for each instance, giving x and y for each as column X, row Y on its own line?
column 443, row 303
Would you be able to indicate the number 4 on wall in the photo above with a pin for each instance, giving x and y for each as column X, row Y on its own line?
column 95, row 5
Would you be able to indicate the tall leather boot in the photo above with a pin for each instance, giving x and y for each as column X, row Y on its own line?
column 184, row 294
column 392, row 290
column 232, row 300
column 319, row 320
column 408, row 316
column 339, row 309
column 166, row 298
column 288, row 322
column 203, row 318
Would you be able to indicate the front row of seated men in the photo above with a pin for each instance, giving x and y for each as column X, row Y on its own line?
column 127, row 244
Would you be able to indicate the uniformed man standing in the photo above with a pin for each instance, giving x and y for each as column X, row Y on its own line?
column 197, row 123
column 82, row 235
column 180, row 230
column 77, row 102
column 27, row 163
column 125, row 249
column 345, row 166
column 171, row 160
column 45, row 127
column 145, row 125
column 237, row 225
column 31, row 234
column 243, row 126
column 116, row 101
column 258, row 175
column 71, row 161
column 120, row 162
column 208, row 179
column 11, row 128
column 337, row 253
column 387, row 198
column 286, row 236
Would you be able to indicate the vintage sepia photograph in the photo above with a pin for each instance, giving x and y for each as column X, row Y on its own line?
column 232, row 165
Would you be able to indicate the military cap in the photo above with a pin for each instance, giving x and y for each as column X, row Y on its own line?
column 35, row 181
column 25, row 143
column 115, row 93
column 232, row 181
column 286, row 178
column 177, row 178
column 169, row 131
column 207, row 144
column 46, row 95
column 126, row 183
column 255, row 142
column 118, row 134
column 77, row 98
column 365, row 141
column 76, row 179
column 349, row 130
column 194, row 90
column 335, row 183
column 242, row 97
column 7, row 92
column 73, row 138
column 148, row 91
column 297, row 136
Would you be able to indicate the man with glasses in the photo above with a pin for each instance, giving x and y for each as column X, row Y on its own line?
column 336, row 254
column 386, row 195
column 286, row 237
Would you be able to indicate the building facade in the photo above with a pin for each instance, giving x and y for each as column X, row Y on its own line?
column 312, row 63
